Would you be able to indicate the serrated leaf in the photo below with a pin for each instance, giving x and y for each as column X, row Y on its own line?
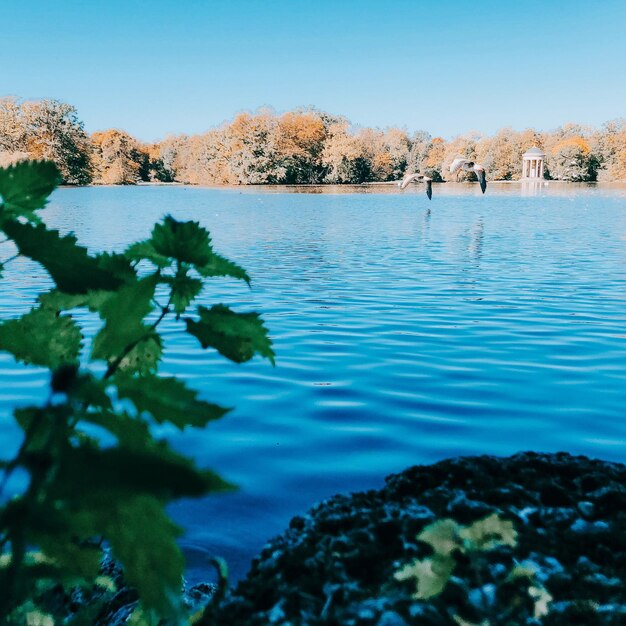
column 41, row 337
column 131, row 432
column 237, row 336
column 187, row 242
column 86, row 474
column 69, row 265
column 184, row 290
column 124, row 312
column 442, row 536
column 59, row 301
column 217, row 265
column 431, row 575
column 25, row 187
column 489, row 533
column 144, row 250
column 144, row 357
column 168, row 399
column 117, row 265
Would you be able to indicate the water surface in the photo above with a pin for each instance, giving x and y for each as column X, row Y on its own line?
column 406, row 331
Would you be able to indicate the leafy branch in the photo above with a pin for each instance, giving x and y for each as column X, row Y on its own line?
column 95, row 470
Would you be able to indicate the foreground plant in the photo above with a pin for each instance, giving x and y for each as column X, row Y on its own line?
column 90, row 471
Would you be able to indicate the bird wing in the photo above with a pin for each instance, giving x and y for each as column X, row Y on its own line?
column 408, row 179
column 429, row 187
column 482, row 179
column 457, row 164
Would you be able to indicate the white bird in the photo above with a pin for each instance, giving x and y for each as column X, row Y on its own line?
column 469, row 166
column 418, row 178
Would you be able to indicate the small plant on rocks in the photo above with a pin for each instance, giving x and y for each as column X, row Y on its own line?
column 487, row 592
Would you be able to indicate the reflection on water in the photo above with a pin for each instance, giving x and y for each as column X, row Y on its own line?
column 405, row 331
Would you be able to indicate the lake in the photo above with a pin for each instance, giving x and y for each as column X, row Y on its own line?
column 406, row 331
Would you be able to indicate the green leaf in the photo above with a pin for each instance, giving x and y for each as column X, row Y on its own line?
column 145, row 250
column 431, row 575
column 117, row 265
column 143, row 538
column 217, row 265
column 144, row 357
column 41, row 337
column 59, row 301
column 74, row 559
column 167, row 399
column 237, row 336
column 131, row 432
column 86, row 474
column 184, row 290
column 124, row 312
column 40, row 424
column 90, row 391
column 25, row 187
column 442, row 536
column 69, row 265
column 187, row 242
column 489, row 533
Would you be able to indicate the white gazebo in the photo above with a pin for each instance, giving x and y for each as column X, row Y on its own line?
column 532, row 166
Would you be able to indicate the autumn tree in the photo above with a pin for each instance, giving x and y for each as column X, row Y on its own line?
column 251, row 147
column 420, row 143
column 46, row 129
column 434, row 161
column 301, row 137
column 12, row 131
column 609, row 144
column 118, row 158
column 343, row 156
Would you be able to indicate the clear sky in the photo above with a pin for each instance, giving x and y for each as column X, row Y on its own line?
column 157, row 67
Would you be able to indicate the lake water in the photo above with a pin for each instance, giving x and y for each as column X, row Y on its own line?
column 406, row 331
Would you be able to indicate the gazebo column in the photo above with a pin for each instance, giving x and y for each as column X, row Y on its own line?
column 533, row 164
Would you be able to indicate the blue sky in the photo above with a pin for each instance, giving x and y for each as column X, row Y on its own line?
column 159, row 67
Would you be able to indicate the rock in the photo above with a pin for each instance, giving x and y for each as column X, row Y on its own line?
column 391, row 618
column 586, row 508
column 336, row 564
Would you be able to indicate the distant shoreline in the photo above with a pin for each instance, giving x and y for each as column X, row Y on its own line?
column 365, row 186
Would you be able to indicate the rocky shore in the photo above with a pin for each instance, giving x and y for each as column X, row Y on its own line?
column 336, row 564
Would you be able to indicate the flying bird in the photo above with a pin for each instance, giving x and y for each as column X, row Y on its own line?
column 418, row 178
column 469, row 166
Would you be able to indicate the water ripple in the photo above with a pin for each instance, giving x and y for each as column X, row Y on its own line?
column 405, row 332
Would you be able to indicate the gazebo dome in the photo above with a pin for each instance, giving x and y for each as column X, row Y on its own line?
column 534, row 152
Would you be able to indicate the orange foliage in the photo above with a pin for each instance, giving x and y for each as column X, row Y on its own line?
column 576, row 142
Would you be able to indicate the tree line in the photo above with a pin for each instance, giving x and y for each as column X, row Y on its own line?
column 305, row 146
